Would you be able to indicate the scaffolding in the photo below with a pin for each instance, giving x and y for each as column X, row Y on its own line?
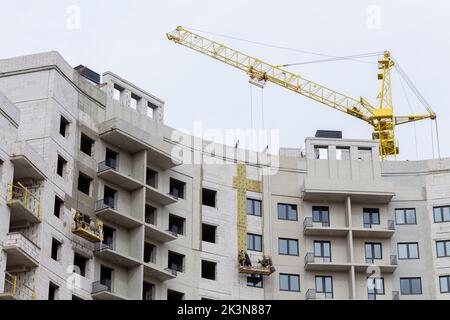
column 263, row 266
column 12, row 290
column 29, row 197
column 87, row 228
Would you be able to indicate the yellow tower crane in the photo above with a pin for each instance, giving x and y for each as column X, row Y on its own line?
column 380, row 117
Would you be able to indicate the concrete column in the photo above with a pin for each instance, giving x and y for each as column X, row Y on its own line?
column 125, row 98
column 142, row 106
column 352, row 280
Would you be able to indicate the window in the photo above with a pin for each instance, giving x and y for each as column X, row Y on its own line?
column 208, row 233
column 322, row 249
column 80, row 263
column 108, row 236
column 152, row 178
column 289, row 282
column 288, row 247
column 150, row 214
column 176, row 224
column 134, row 101
column 63, row 126
column 408, row 250
column 52, row 291
column 321, row 152
column 342, row 153
column 176, row 188
column 147, row 291
column 441, row 214
column 86, row 144
column 443, row 248
column 106, row 276
column 56, row 250
column 176, row 261
column 174, row 295
column 255, row 281
column 324, row 285
column 375, row 287
column 254, row 207
column 150, row 109
column 117, row 92
column 208, row 270
column 444, row 284
column 111, row 159
column 254, row 242
column 84, row 183
column 371, row 217
column 405, row 216
column 61, row 166
column 287, row 212
column 58, row 206
column 321, row 215
column 209, row 197
column 149, row 252
column 109, row 197
column 373, row 252
column 410, row 286
column 364, row 154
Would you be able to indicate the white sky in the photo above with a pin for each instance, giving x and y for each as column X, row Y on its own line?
column 127, row 37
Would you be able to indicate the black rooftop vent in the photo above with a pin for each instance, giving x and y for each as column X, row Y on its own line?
column 329, row 134
column 88, row 74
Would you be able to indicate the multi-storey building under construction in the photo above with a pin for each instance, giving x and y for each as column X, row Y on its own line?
column 99, row 199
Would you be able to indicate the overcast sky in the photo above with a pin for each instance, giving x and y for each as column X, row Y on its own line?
column 128, row 38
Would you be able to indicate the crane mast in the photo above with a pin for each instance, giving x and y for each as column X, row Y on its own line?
column 381, row 117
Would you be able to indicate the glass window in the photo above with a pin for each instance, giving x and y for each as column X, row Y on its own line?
column 408, row 250
column 405, row 216
column 444, row 283
column 371, row 217
column 441, row 214
column 255, row 281
column 254, row 207
column 289, row 282
column 410, row 286
column 322, row 249
column 288, row 246
column 443, row 248
column 375, row 286
column 321, row 215
column 287, row 211
column 324, row 284
column 254, row 242
column 373, row 252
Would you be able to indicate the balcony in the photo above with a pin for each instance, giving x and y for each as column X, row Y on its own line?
column 102, row 290
column 313, row 263
column 23, row 254
column 154, row 195
column 105, row 209
column 24, row 203
column 311, row 228
column 312, row 294
column 132, row 139
column 108, row 253
column 28, row 164
column 108, row 171
column 384, row 266
column 385, row 232
column 395, row 295
column 153, row 232
column 14, row 291
column 154, row 271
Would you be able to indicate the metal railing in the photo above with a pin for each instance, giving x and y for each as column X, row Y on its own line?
column 395, row 295
column 393, row 260
column 307, row 223
column 106, row 203
column 100, row 246
column 309, row 258
column 27, row 196
column 108, row 164
column 16, row 290
column 391, row 224
column 101, row 286
column 310, row 294
column 174, row 270
column 173, row 232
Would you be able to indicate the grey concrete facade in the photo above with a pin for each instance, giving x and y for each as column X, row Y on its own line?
column 341, row 177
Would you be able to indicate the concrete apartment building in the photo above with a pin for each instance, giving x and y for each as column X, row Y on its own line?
column 87, row 179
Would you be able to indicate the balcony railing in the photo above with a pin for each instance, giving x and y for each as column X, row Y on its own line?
column 307, row 223
column 395, row 295
column 108, row 164
column 310, row 294
column 19, row 241
column 309, row 258
column 101, row 286
column 106, row 203
column 100, row 246
column 17, row 291
column 393, row 260
column 28, row 197
column 391, row 225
